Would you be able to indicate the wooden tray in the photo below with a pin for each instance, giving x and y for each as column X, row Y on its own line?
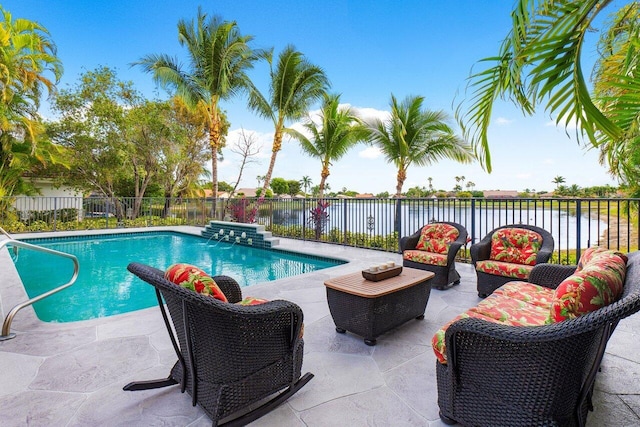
column 383, row 274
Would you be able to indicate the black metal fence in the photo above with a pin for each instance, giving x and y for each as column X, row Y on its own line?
column 369, row 223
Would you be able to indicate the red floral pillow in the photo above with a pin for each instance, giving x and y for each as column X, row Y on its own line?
column 598, row 283
column 191, row 277
column 516, row 245
column 437, row 237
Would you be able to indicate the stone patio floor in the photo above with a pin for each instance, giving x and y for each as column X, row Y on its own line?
column 72, row 374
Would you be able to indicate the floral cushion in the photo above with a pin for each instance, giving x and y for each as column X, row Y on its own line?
column 425, row 257
column 191, row 277
column 507, row 269
column 537, row 295
column 514, row 304
column 437, row 237
column 598, row 282
column 517, row 245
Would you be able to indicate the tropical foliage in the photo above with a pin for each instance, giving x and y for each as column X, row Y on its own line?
column 295, row 84
column 540, row 62
column 27, row 57
column 123, row 145
column 616, row 89
column 219, row 58
column 415, row 135
column 331, row 137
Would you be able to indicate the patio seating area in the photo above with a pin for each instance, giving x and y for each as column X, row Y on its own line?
column 72, row 374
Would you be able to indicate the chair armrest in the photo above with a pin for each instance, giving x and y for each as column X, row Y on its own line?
column 454, row 247
column 230, row 288
column 550, row 275
column 480, row 251
column 409, row 242
column 543, row 255
column 476, row 339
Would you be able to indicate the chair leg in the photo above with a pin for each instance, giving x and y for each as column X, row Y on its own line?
column 270, row 405
column 149, row 384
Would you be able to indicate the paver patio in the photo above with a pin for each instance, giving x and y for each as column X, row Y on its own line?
column 72, row 374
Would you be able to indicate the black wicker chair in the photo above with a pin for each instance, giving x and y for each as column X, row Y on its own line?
column 229, row 356
column 487, row 283
column 530, row 376
column 444, row 275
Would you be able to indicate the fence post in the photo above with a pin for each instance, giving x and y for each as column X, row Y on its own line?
column 578, row 228
column 304, row 217
column 398, row 221
column 55, row 213
column 473, row 220
column 344, row 222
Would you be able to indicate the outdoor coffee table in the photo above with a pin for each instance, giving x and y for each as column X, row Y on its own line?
column 370, row 309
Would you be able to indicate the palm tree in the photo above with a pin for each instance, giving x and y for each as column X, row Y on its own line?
column 470, row 185
column 416, row 135
column 27, row 54
column 294, row 85
column 306, row 184
column 219, row 58
column 332, row 137
column 540, row 62
column 558, row 180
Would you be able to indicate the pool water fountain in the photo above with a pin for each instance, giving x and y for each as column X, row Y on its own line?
column 215, row 236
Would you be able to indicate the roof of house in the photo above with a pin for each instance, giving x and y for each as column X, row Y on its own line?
column 500, row 194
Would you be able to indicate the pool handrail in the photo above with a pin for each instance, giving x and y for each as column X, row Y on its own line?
column 6, row 326
column 3, row 231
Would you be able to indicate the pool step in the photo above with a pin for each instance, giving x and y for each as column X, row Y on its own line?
column 255, row 235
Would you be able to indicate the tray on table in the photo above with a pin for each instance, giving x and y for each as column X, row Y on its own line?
column 382, row 274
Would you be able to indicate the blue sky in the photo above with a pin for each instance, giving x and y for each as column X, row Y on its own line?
column 369, row 50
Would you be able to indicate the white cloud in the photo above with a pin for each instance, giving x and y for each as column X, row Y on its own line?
column 523, row 175
column 502, row 121
column 548, row 161
column 572, row 125
column 370, row 114
column 370, row 153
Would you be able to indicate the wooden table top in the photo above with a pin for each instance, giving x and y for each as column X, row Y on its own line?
column 355, row 284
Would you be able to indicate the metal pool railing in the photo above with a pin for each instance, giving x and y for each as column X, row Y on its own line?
column 375, row 223
column 6, row 325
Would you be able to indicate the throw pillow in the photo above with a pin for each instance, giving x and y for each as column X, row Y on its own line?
column 517, row 245
column 191, row 277
column 437, row 237
column 597, row 284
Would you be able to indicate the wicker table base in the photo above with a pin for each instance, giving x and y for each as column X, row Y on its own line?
column 370, row 309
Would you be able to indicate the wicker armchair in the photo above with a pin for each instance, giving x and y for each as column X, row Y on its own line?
column 481, row 251
column 530, row 376
column 445, row 275
column 229, row 356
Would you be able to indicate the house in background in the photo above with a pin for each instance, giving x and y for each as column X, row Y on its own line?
column 500, row 194
column 52, row 197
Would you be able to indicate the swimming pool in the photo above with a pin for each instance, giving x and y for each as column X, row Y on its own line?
column 105, row 287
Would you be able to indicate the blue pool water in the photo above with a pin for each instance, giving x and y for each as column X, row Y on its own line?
column 105, row 287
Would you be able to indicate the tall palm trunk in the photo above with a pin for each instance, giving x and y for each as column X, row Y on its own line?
column 401, row 177
column 323, row 178
column 277, row 146
column 214, row 141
